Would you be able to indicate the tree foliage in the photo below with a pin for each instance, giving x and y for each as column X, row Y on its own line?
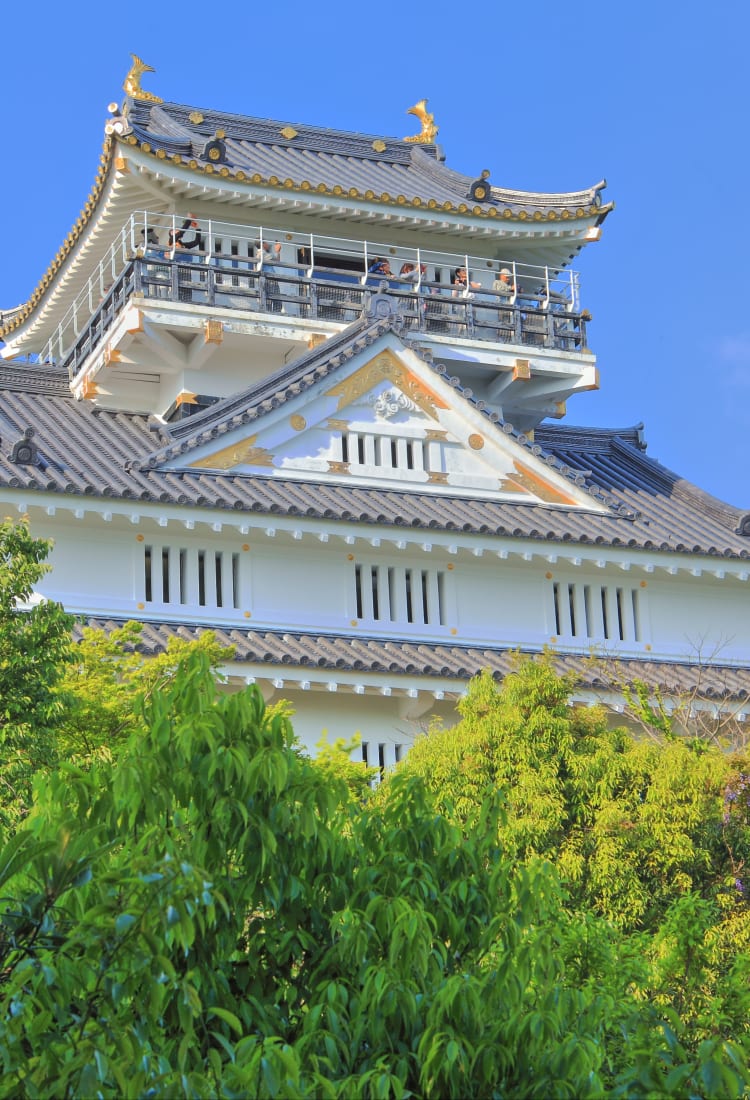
column 207, row 912
column 107, row 673
column 653, row 837
column 210, row 914
column 34, row 649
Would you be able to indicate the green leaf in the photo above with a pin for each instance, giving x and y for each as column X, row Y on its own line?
column 228, row 1018
column 123, row 922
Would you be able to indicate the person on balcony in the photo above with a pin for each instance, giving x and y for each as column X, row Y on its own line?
column 410, row 273
column 505, row 289
column 178, row 240
column 461, row 282
column 380, row 267
column 265, row 256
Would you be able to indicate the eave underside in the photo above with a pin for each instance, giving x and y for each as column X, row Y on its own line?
column 132, row 181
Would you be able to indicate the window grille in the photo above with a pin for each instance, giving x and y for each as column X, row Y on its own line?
column 195, row 577
column 599, row 612
column 399, row 594
column 384, row 759
column 387, row 452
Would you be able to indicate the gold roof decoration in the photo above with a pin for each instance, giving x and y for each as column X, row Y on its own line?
column 429, row 129
column 132, row 84
column 378, row 145
column 289, row 133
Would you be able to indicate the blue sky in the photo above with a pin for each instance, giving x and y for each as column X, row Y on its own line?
column 550, row 97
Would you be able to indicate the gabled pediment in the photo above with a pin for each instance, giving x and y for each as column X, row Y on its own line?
column 379, row 416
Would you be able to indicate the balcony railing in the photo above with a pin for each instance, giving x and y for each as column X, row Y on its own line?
column 318, row 278
column 281, row 290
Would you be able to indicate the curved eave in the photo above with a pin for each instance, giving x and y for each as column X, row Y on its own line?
column 21, row 313
column 549, row 208
column 129, row 170
column 84, row 246
column 295, row 150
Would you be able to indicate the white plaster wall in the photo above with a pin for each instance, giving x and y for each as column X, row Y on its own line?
column 301, row 587
column 500, row 602
column 306, row 584
column 375, row 720
column 90, row 568
column 704, row 616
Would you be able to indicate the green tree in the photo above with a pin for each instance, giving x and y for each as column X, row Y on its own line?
column 108, row 673
column 34, row 648
column 652, row 836
column 628, row 822
column 209, row 914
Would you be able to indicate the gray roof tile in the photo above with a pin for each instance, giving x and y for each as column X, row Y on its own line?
column 89, row 452
column 334, row 158
column 713, row 681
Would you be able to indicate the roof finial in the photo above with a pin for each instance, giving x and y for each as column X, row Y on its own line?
column 132, row 85
column 429, row 129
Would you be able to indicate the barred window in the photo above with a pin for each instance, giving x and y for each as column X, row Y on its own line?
column 400, row 594
column 179, row 576
column 597, row 611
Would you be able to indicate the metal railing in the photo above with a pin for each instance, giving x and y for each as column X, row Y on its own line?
column 310, row 275
column 282, row 291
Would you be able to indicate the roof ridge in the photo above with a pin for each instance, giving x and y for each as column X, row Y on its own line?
column 36, row 377
column 580, row 437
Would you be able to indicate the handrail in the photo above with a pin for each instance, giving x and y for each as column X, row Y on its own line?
column 331, row 295
column 244, row 247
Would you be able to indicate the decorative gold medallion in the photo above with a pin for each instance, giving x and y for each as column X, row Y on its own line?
column 378, row 145
column 289, row 132
column 476, row 442
column 196, row 118
column 298, row 422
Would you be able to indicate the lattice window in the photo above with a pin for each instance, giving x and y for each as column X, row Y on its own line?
column 387, row 452
column 603, row 612
column 400, row 594
column 191, row 577
column 381, row 755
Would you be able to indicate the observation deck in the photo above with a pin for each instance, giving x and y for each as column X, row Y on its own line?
column 306, row 286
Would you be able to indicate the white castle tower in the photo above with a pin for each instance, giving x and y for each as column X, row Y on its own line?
column 295, row 385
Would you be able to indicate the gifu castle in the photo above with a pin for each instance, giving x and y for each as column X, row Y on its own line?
column 305, row 388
